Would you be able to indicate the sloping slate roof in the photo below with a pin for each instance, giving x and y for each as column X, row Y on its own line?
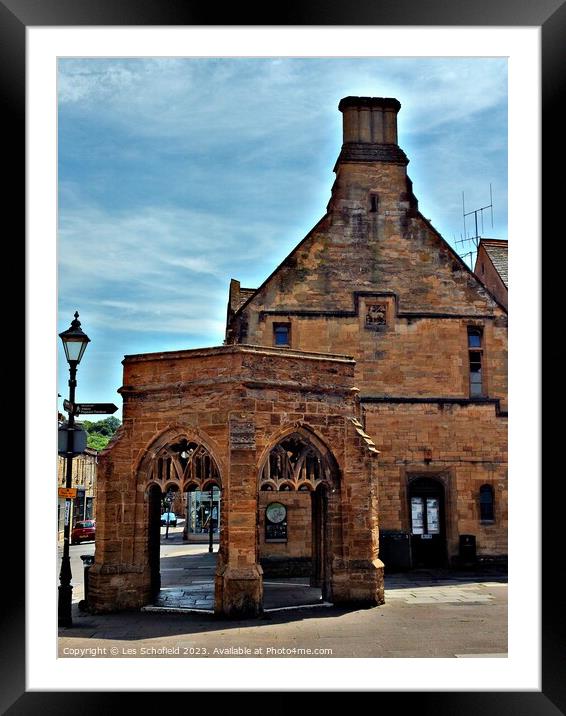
column 497, row 252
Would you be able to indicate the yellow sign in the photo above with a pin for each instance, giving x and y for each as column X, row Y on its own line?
column 68, row 492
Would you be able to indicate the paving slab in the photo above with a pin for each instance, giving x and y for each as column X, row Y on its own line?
column 422, row 617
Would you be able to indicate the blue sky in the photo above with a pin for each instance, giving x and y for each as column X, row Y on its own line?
column 176, row 175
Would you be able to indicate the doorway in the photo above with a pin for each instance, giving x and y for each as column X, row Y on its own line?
column 184, row 524
column 428, row 523
column 295, row 484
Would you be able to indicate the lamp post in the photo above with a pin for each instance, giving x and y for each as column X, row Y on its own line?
column 74, row 343
column 211, row 523
column 185, row 456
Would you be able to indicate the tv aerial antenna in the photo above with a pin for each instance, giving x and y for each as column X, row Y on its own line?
column 471, row 243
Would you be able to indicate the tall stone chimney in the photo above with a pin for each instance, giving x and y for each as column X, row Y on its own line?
column 371, row 169
column 370, row 120
column 370, row 129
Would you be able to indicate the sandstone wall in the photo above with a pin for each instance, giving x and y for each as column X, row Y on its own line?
column 238, row 402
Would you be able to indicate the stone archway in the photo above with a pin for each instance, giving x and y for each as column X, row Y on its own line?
column 236, row 402
column 179, row 466
column 298, row 483
column 181, row 461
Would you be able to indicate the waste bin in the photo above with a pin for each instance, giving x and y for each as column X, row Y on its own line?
column 468, row 555
column 395, row 550
column 88, row 561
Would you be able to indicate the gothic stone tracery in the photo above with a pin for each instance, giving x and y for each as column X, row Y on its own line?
column 185, row 464
column 294, row 465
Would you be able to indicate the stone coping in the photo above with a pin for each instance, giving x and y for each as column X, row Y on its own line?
column 238, row 349
column 377, row 102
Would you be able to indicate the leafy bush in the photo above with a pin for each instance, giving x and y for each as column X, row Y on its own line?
column 100, row 432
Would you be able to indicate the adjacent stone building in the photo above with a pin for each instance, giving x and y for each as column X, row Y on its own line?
column 83, row 506
column 372, row 339
column 491, row 267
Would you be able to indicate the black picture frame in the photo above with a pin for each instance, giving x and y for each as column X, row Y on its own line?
column 550, row 16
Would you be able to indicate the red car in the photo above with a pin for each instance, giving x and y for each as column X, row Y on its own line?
column 84, row 530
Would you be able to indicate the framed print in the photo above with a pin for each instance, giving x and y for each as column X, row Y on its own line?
column 301, row 469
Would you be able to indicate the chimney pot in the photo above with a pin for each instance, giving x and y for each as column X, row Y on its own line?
column 369, row 120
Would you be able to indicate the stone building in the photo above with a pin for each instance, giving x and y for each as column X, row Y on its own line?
column 491, row 267
column 83, row 506
column 371, row 340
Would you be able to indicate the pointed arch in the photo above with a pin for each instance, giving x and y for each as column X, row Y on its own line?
column 297, row 456
column 179, row 456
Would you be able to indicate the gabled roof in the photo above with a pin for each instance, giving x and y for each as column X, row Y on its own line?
column 496, row 249
column 245, row 293
column 245, row 298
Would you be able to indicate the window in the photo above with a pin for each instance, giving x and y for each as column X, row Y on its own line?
column 425, row 515
column 475, row 354
column 474, row 338
column 373, row 203
column 487, row 513
column 282, row 334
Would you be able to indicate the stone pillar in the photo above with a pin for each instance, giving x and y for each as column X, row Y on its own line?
column 239, row 577
column 357, row 573
column 120, row 577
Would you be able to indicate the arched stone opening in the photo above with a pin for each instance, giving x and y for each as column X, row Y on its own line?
column 299, row 459
column 298, row 501
column 182, row 461
column 182, row 477
column 182, row 466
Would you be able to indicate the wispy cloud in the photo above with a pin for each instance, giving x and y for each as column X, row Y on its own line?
column 179, row 174
column 203, row 103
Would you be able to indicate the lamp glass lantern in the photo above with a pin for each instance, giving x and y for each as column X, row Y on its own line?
column 75, row 341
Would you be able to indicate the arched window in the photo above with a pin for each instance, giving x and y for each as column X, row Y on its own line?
column 487, row 513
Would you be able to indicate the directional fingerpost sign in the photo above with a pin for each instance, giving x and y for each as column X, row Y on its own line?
column 95, row 408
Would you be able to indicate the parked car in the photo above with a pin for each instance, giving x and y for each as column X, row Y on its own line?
column 83, row 531
column 169, row 517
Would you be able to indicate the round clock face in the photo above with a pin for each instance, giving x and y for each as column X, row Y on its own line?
column 276, row 512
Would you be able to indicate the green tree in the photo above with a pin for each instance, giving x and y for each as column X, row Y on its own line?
column 95, row 441
column 100, row 432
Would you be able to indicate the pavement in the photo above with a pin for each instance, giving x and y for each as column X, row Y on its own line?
column 427, row 613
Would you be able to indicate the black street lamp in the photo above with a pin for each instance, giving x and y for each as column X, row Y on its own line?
column 211, row 522
column 74, row 343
